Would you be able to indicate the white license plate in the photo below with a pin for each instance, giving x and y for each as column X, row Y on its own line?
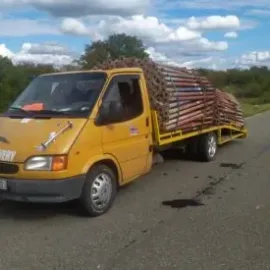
column 3, row 184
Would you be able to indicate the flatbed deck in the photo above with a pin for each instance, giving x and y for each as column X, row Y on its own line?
column 225, row 133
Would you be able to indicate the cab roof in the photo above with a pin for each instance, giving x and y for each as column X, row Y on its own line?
column 109, row 71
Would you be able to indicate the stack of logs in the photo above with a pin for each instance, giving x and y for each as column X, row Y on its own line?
column 183, row 99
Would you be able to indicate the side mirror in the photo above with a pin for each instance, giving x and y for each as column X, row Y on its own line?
column 110, row 113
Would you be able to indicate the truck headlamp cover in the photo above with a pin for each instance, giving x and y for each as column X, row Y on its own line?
column 46, row 163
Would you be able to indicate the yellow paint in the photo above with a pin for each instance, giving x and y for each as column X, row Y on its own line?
column 162, row 139
column 86, row 144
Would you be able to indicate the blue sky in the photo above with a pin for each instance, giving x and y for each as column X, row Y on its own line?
column 192, row 33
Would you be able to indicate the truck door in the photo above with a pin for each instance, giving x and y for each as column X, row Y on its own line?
column 129, row 138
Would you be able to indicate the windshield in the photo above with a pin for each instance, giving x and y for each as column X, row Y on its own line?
column 57, row 94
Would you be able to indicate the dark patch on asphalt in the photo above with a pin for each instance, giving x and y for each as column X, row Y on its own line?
column 210, row 188
column 206, row 191
column 233, row 166
column 165, row 174
column 144, row 231
column 263, row 150
column 182, row 203
column 132, row 242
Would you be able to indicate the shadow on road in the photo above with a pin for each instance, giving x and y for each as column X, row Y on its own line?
column 178, row 154
column 175, row 154
column 31, row 211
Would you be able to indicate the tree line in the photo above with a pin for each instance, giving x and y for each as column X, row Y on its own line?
column 253, row 83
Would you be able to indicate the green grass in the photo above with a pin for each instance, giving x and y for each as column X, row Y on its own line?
column 251, row 107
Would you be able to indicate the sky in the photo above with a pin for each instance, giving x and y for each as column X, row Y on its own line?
column 192, row 33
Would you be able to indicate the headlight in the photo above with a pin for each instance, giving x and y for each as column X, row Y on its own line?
column 46, row 163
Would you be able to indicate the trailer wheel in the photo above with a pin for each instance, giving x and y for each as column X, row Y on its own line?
column 207, row 147
column 99, row 191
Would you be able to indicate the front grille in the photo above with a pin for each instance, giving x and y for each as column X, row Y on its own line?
column 6, row 168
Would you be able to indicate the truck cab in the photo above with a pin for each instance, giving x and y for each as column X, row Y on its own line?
column 76, row 135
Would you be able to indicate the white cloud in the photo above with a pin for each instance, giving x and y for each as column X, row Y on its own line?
column 183, row 34
column 214, row 23
column 231, row 35
column 217, row 5
column 47, row 53
column 80, row 8
column 255, row 58
column 157, row 56
column 247, row 24
column 73, row 26
column 199, row 62
column 146, row 28
column 26, row 27
column 164, row 43
column 5, row 52
column 208, row 45
column 46, row 48
column 160, row 57
column 200, row 46
column 211, row 62
column 259, row 12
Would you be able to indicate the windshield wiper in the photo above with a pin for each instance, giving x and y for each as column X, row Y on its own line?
column 53, row 112
column 19, row 109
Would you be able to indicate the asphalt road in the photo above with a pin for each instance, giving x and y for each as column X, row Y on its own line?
column 226, row 224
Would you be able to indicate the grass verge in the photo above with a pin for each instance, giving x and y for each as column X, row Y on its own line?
column 251, row 108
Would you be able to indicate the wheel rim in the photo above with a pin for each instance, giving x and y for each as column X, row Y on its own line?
column 212, row 146
column 101, row 191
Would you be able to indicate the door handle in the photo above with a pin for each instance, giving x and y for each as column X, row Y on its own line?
column 147, row 121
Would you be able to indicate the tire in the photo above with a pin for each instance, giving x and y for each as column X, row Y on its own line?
column 99, row 191
column 207, row 147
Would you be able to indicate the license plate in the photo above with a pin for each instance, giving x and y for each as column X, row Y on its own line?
column 3, row 184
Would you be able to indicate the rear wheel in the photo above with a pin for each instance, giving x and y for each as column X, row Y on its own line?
column 99, row 191
column 207, row 147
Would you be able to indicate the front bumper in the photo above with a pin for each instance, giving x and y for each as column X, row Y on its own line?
column 44, row 191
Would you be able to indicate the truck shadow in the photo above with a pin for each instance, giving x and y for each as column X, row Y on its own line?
column 180, row 155
column 31, row 211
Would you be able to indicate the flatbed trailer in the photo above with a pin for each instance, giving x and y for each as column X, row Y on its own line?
column 224, row 134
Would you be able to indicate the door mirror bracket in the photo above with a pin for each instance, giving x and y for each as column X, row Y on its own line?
column 110, row 113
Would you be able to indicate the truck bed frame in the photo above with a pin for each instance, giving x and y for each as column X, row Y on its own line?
column 225, row 133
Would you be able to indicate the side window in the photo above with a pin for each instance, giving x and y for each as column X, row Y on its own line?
column 126, row 92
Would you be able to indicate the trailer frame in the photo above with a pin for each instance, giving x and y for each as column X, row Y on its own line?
column 225, row 133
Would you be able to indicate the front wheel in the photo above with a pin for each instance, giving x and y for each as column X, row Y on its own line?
column 99, row 191
column 208, row 147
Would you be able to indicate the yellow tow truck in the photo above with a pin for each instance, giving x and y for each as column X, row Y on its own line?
column 82, row 135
